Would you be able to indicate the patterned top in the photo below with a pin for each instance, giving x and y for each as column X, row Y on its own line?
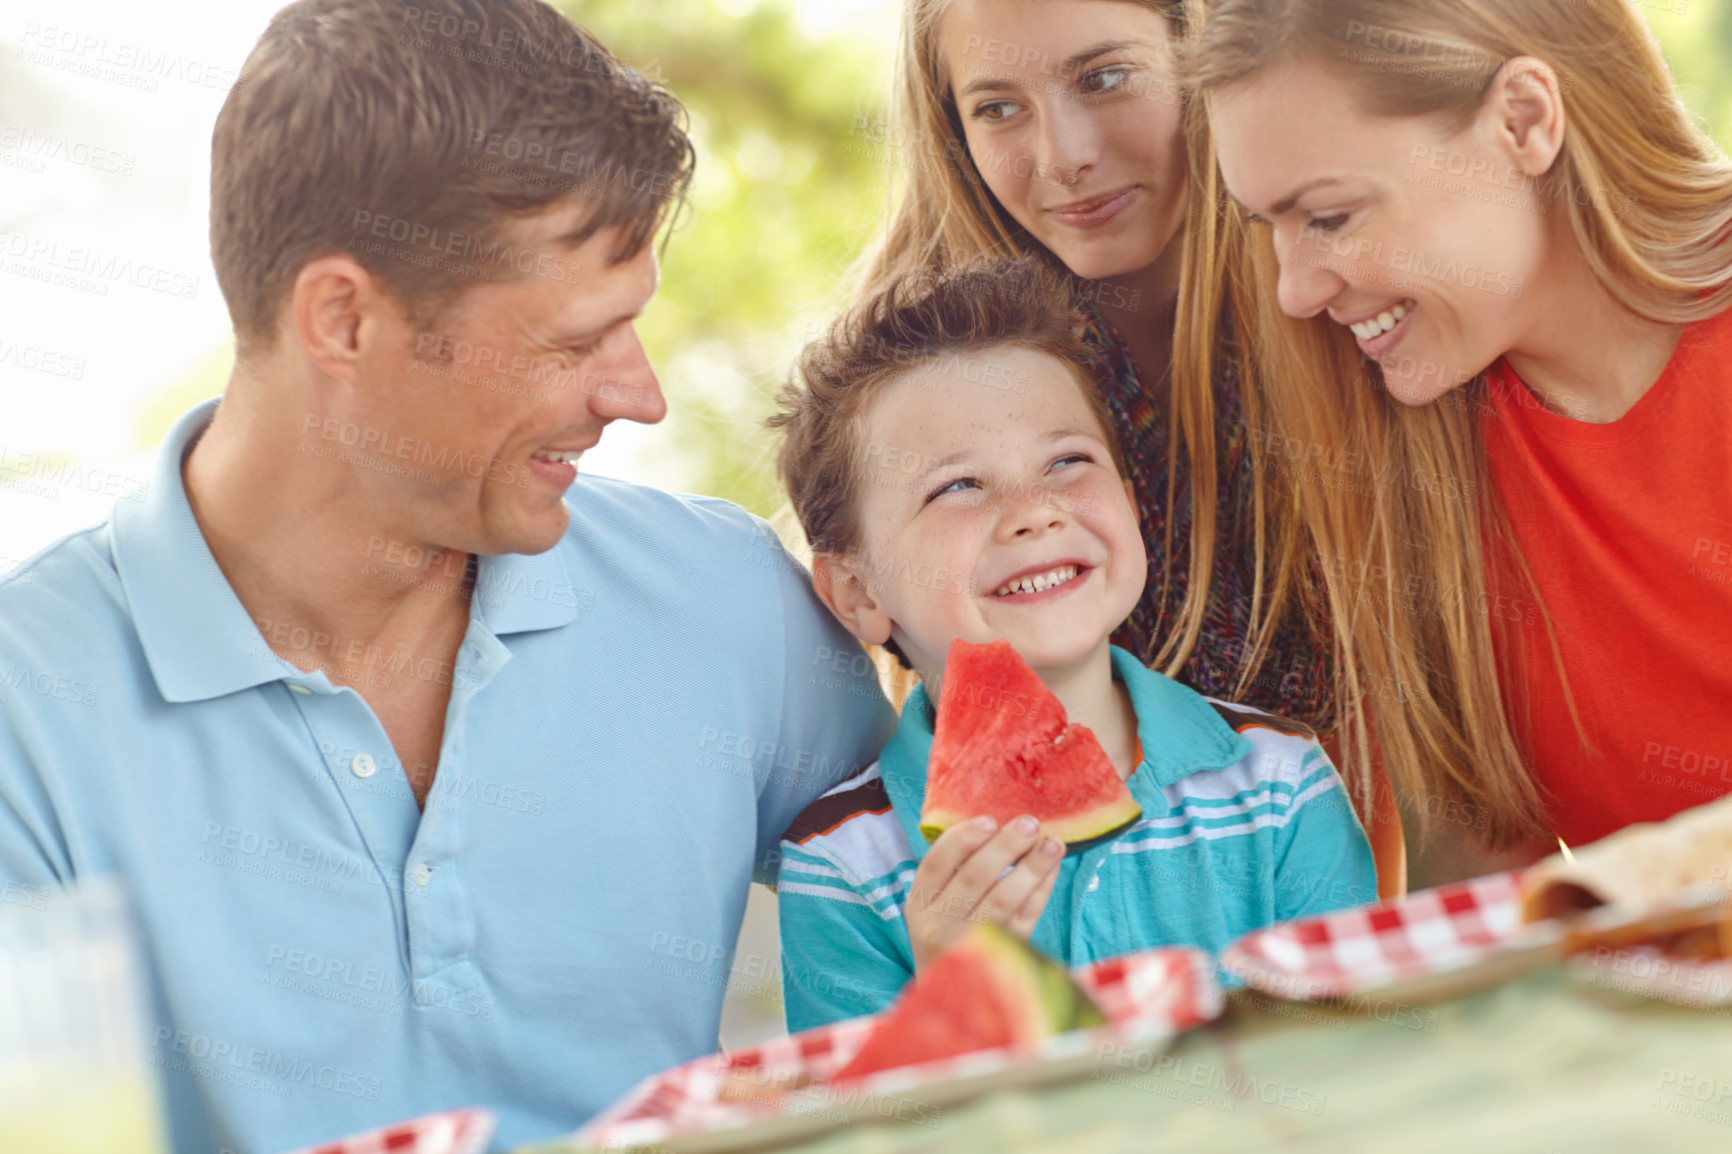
column 1244, row 824
column 1296, row 676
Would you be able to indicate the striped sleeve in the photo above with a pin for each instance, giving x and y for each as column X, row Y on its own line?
column 1323, row 860
column 844, row 875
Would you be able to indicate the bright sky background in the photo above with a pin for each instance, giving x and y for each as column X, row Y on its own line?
column 107, row 355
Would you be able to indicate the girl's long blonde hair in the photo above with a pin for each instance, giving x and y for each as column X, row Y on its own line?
column 1649, row 199
column 945, row 216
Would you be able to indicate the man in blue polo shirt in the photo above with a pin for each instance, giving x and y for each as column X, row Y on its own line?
column 437, row 773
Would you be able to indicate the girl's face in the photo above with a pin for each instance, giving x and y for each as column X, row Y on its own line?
column 1073, row 120
column 1424, row 243
column 992, row 510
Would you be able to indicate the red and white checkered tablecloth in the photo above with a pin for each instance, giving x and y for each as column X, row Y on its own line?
column 1350, row 951
column 1148, row 998
column 464, row 1131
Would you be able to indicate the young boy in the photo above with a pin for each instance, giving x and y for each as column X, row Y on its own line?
column 957, row 477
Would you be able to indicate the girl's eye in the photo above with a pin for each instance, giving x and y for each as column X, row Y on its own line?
column 1327, row 223
column 955, row 486
column 994, row 110
column 1104, row 79
column 1255, row 219
column 1071, row 459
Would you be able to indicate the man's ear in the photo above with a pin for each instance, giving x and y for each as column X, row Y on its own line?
column 844, row 592
column 1523, row 114
column 335, row 305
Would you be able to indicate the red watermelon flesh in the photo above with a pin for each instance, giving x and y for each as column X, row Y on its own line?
column 1002, row 747
column 989, row 989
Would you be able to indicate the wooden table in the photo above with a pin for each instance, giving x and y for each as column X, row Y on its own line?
column 1539, row 1065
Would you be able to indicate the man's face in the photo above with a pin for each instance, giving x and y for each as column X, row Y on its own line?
column 488, row 406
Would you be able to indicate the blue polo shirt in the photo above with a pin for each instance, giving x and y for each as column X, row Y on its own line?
column 635, row 716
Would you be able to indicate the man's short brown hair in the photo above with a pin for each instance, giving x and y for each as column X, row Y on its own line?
column 919, row 321
column 410, row 135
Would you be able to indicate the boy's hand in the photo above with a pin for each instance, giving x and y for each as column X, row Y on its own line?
column 958, row 883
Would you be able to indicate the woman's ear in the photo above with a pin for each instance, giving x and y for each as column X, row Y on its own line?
column 844, row 592
column 1523, row 114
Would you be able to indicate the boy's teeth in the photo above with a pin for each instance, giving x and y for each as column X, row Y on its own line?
column 566, row 458
column 1381, row 323
column 1038, row 582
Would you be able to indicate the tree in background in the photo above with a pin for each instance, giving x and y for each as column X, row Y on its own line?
column 1697, row 38
column 792, row 178
column 788, row 189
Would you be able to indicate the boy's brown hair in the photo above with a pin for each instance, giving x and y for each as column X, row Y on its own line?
column 916, row 321
column 410, row 136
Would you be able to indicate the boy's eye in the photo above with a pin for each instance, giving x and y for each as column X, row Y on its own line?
column 1071, row 459
column 956, row 486
column 1103, row 79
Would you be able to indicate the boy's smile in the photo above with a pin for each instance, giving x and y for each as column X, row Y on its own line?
column 1039, row 582
column 992, row 508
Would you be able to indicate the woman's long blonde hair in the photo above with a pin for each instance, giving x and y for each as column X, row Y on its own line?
column 945, row 216
column 1648, row 197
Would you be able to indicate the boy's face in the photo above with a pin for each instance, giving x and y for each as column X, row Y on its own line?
column 990, row 509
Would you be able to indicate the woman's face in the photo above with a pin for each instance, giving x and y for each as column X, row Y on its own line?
column 1073, row 120
column 1424, row 243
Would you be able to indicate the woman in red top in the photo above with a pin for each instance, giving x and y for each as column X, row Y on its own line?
column 1495, row 236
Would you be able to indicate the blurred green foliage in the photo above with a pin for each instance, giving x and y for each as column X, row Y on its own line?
column 1697, row 38
column 786, row 195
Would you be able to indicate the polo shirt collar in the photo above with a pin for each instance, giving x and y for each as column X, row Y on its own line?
column 197, row 637
column 1181, row 735
column 196, row 634
column 519, row 592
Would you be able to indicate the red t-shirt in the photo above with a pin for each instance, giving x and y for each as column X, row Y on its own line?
column 1627, row 529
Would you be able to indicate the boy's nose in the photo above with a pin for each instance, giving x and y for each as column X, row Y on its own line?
column 1030, row 513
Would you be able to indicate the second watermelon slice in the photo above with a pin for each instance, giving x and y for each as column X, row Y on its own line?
column 1002, row 746
column 990, row 989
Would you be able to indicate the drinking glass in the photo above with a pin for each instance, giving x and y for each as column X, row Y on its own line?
column 74, row 1078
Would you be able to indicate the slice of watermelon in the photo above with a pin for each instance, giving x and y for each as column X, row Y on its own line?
column 1002, row 747
column 989, row 989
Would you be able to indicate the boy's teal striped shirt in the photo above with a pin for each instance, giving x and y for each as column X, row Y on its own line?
column 1245, row 823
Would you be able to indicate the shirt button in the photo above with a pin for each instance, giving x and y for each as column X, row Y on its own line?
column 423, row 874
column 1094, row 883
column 361, row 765
column 298, row 688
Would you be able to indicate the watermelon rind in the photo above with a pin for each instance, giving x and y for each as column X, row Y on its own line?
column 1068, row 1006
column 1078, row 832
